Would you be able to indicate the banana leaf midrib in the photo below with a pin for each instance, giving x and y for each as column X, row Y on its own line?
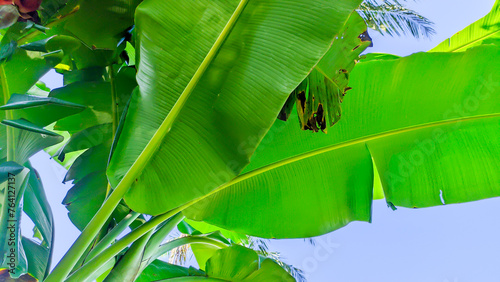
column 169, row 120
column 70, row 259
column 313, row 153
column 474, row 41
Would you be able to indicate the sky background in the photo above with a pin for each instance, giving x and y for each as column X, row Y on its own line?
column 453, row 243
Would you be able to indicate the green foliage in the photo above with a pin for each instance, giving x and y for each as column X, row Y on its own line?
column 211, row 135
column 484, row 31
column 169, row 109
column 337, row 168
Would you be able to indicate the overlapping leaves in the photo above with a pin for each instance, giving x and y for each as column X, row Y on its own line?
column 318, row 98
column 429, row 122
column 233, row 103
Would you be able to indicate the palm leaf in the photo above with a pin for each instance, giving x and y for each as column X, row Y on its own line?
column 393, row 18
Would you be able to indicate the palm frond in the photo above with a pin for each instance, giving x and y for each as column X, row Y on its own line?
column 296, row 273
column 259, row 244
column 261, row 247
column 179, row 255
column 393, row 18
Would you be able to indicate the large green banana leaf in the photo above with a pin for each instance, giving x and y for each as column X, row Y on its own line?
column 484, row 31
column 430, row 123
column 269, row 51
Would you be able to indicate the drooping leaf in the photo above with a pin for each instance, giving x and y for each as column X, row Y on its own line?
column 104, row 94
column 319, row 96
column 231, row 106
column 22, row 184
column 23, row 71
column 13, row 181
column 434, row 139
column 36, row 206
column 28, row 126
column 87, row 138
column 38, row 258
column 94, row 95
column 41, row 111
column 82, row 202
column 18, row 76
column 27, row 143
column 235, row 263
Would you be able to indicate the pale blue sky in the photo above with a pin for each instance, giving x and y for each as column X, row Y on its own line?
column 455, row 243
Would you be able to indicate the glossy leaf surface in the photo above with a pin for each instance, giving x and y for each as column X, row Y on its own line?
column 484, row 31
column 429, row 121
column 235, row 101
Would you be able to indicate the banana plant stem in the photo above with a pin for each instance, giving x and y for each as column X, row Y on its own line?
column 73, row 255
column 92, row 265
column 113, row 234
column 69, row 260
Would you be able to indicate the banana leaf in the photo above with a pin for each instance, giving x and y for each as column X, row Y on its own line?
column 214, row 120
column 484, row 31
column 429, row 123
